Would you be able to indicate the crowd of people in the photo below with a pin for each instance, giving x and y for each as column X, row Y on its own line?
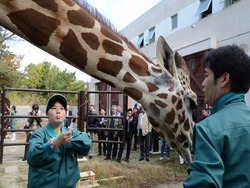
column 137, row 131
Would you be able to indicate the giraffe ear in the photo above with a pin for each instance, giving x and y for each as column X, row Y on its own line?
column 165, row 57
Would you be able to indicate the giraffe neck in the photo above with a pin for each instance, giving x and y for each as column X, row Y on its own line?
column 75, row 35
column 78, row 38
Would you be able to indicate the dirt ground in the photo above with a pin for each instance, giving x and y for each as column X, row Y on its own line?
column 13, row 171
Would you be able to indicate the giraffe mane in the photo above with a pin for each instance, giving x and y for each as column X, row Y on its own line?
column 105, row 21
column 96, row 14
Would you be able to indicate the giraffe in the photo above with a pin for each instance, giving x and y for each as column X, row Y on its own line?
column 76, row 33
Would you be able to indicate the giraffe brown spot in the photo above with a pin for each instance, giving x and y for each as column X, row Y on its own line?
column 112, row 48
column 186, row 125
column 174, row 99
column 151, row 87
column 181, row 137
column 169, row 119
column 35, row 26
column 109, row 67
column 153, row 122
column 179, row 105
column 186, row 145
column 81, row 18
column 139, row 66
column 132, row 92
column 50, row 5
column 91, row 39
column 161, row 104
column 69, row 2
column 154, row 108
column 170, row 135
column 171, row 89
column 173, row 145
column 181, row 117
column 163, row 95
column 106, row 31
column 72, row 50
column 156, row 70
column 129, row 78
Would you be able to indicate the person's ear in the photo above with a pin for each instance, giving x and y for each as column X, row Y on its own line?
column 225, row 79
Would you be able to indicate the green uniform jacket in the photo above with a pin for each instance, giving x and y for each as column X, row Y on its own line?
column 58, row 168
column 221, row 146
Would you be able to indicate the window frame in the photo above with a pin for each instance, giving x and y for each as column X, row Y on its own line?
column 151, row 36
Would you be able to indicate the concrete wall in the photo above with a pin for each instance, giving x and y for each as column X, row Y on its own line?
column 24, row 110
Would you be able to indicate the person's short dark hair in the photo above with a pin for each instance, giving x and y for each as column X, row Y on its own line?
column 56, row 98
column 130, row 109
column 233, row 60
column 35, row 107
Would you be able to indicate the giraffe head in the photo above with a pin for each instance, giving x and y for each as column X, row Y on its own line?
column 79, row 36
column 170, row 104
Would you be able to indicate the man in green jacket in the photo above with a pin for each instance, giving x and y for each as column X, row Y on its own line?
column 52, row 155
column 221, row 141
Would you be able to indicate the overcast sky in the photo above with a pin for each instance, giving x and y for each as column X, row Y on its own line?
column 119, row 12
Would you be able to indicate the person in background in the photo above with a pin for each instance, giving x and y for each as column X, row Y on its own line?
column 144, row 130
column 119, row 110
column 67, row 120
column 102, row 147
column 12, row 112
column 135, row 115
column 128, row 137
column 120, row 133
column 92, row 123
column 33, row 123
column 221, row 141
column 52, row 156
column 164, row 145
column 204, row 113
column 113, row 135
column 7, row 122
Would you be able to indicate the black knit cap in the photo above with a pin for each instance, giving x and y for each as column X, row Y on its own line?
column 56, row 98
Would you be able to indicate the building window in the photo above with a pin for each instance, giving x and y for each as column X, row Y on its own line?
column 174, row 19
column 205, row 8
column 140, row 41
column 230, row 2
column 151, row 36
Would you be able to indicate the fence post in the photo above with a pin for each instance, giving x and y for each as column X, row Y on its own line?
column 81, row 112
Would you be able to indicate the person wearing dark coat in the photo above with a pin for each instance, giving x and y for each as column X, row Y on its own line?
column 129, row 124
